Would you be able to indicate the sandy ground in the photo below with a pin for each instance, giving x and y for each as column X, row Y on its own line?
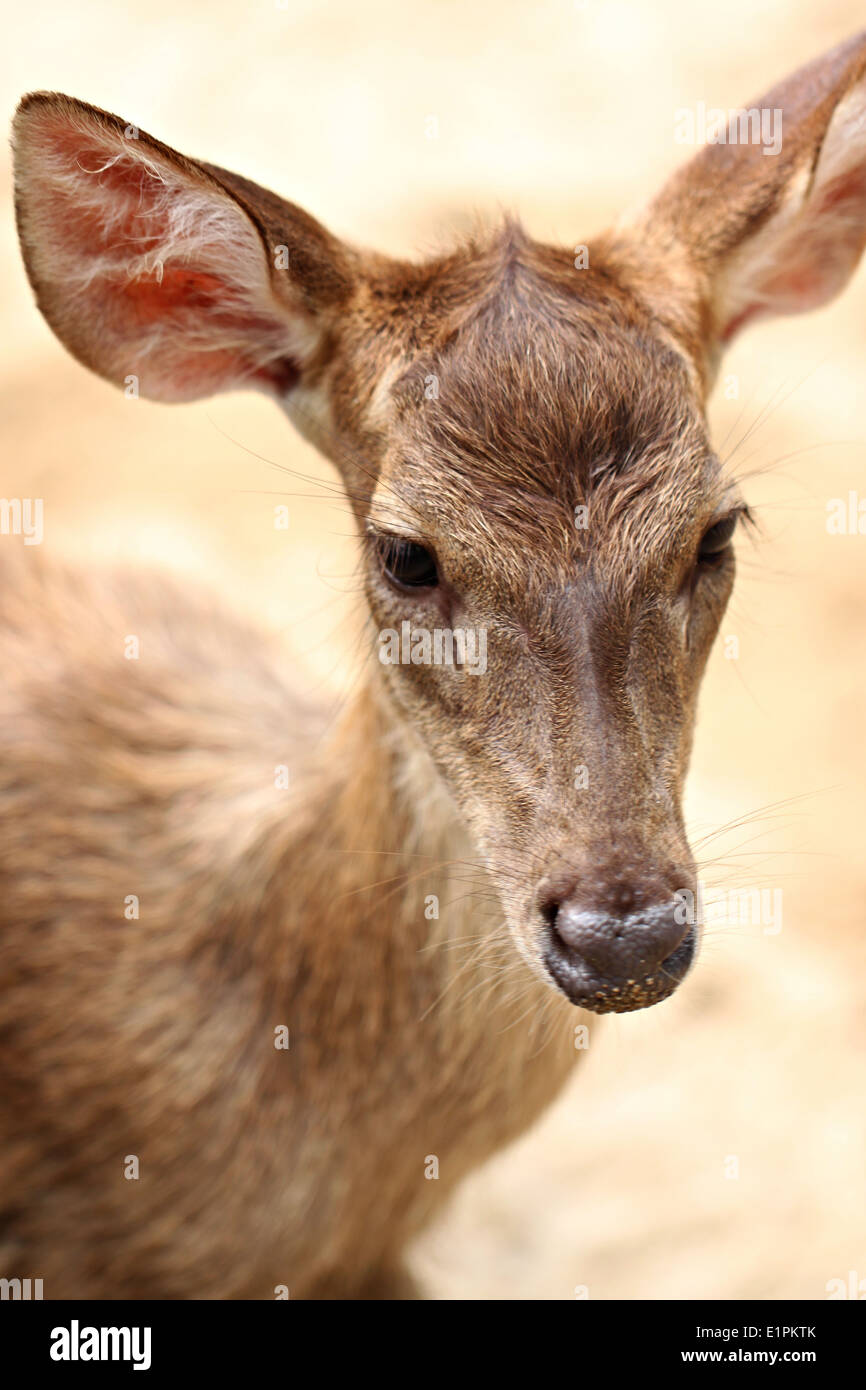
column 565, row 113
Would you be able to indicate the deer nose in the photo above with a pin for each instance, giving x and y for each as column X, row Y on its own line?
column 615, row 963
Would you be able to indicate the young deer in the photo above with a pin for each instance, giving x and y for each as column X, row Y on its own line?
column 473, row 405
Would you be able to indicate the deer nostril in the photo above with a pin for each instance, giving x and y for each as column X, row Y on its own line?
column 549, row 910
column 614, row 948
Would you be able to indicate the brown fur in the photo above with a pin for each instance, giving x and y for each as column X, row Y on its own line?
column 554, row 388
column 155, row 1037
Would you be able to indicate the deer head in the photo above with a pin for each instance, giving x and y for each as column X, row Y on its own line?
column 524, row 443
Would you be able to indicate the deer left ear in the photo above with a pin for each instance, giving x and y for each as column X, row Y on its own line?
column 808, row 247
column 751, row 227
column 151, row 265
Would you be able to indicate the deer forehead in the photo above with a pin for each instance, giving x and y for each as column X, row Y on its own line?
column 482, row 483
column 535, row 396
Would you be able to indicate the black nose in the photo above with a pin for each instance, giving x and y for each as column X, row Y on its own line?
column 612, row 964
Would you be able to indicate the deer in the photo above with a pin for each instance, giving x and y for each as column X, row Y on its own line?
column 340, row 992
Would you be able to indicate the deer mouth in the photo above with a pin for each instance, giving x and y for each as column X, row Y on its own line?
column 600, row 994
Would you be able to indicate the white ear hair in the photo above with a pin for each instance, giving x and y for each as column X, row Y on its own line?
column 807, row 249
column 144, row 264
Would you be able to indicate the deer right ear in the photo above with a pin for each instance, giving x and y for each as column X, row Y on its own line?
column 150, row 265
column 755, row 225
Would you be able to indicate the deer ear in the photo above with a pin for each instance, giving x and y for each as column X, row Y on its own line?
column 771, row 219
column 150, row 265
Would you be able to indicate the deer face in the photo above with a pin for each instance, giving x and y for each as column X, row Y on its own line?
column 524, row 445
column 545, row 492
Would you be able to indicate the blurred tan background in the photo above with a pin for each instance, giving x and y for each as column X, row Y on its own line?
column 563, row 112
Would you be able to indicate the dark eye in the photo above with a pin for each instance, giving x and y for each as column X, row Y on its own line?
column 407, row 564
column 715, row 542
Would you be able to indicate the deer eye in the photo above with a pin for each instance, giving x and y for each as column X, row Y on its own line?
column 716, row 540
column 407, row 564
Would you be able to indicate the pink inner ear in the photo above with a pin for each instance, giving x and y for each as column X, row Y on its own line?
column 178, row 290
column 167, row 274
column 816, row 256
column 731, row 329
column 849, row 188
column 107, row 192
column 193, row 298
